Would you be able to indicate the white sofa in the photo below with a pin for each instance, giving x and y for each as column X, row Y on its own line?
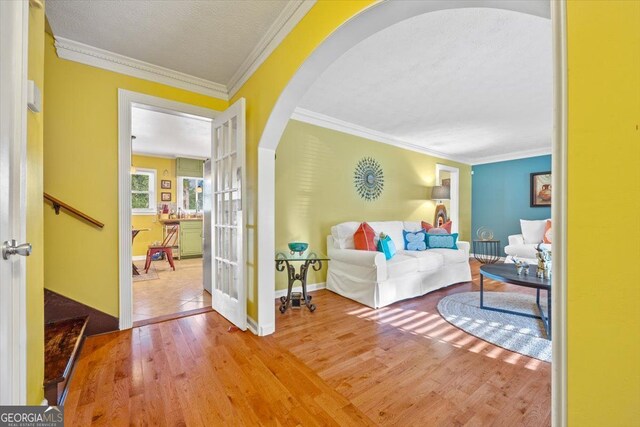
column 367, row 277
column 523, row 246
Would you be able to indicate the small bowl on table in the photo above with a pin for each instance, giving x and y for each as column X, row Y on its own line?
column 298, row 247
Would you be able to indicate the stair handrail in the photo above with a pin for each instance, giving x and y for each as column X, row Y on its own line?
column 57, row 204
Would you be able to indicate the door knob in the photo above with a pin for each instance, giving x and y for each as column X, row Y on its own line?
column 12, row 248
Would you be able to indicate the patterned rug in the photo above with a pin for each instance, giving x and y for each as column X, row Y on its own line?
column 523, row 335
column 151, row 275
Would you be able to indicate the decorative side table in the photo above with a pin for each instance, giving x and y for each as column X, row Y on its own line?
column 486, row 251
column 285, row 260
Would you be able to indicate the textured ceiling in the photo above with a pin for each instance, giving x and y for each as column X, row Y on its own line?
column 469, row 83
column 206, row 39
column 170, row 135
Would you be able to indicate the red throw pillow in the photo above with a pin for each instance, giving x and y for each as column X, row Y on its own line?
column 364, row 238
column 447, row 226
column 547, row 232
column 426, row 226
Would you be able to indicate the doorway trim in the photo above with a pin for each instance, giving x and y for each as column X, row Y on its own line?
column 367, row 22
column 127, row 100
column 454, row 201
column 14, row 22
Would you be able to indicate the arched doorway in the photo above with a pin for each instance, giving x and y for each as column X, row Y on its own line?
column 373, row 19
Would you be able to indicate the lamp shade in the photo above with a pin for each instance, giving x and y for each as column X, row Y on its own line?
column 440, row 192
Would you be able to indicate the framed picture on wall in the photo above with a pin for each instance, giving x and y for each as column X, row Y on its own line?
column 165, row 197
column 165, row 184
column 540, row 189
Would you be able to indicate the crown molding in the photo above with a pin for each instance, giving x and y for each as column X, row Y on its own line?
column 293, row 12
column 504, row 157
column 100, row 58
column 317, row 119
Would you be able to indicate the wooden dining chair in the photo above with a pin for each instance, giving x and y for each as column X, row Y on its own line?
column 164, row 247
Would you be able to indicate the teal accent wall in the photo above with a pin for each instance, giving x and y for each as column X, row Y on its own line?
column 500, row 196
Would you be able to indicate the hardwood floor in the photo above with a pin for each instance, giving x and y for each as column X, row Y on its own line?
column 173, row 292
column 345, row 364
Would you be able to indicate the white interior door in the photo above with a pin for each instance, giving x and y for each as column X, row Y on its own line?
column 13, row 110
column 229, row 294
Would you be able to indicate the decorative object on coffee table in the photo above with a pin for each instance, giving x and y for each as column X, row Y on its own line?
column 286, row 260
column 507, row 274
column 540, row 189
column 544, row 262
column 486, row 251
column 368, row 179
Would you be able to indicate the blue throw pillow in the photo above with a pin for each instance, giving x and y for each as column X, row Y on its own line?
column 442, row 241
column 415, row 240
column 386, row 246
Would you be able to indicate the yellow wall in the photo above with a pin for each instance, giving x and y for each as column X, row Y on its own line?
column 314, row 187
column 145, row 238
column 604, row 158
column 35, row 233
column 262, row 91
column 81, row 168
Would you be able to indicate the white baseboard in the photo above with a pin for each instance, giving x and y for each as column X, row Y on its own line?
column 252, row 325
column 139, row 257
column 311, row 287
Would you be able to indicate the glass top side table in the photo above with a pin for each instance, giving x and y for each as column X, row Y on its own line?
column 486, row 251
column 286, row 260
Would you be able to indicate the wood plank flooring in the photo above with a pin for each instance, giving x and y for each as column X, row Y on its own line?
column 345, row 364
column 173, row 292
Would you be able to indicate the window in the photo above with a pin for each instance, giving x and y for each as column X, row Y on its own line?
column 143, row 192
column 190, row 194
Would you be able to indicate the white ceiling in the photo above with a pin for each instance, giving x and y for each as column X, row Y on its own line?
column 170, row 135
column 471, row 84
column 206, row 39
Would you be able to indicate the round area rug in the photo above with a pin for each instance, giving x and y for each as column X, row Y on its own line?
column 523, row 335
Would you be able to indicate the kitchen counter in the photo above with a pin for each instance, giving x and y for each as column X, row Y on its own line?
column 171, row 221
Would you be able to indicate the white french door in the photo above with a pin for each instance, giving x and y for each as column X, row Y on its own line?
column 228, row 215
column 13, row 129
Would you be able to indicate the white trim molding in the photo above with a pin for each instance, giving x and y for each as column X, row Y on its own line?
column 317, row 119
column 86, row 54
column 100, row 58
column 126, row 100
column 515, row 155
column 310, row 288
column 454, row 200
column 293, row 12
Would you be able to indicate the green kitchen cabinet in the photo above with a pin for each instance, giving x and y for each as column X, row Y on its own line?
column 190, row 238
column 189, row 167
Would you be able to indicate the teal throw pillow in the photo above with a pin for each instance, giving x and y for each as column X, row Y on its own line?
column 415, row 240
column 442, row 241
column 386, row 246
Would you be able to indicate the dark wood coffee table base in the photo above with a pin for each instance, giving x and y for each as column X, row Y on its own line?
column 546, row 319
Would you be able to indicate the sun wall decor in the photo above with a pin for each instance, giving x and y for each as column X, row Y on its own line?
column 368, row 179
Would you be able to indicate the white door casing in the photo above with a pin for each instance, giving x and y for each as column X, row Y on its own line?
column 228, row 214
column 14, row 22
column 126, row 100
column 454, row 202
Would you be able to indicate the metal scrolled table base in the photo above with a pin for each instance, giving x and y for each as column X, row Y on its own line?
column 292, row 276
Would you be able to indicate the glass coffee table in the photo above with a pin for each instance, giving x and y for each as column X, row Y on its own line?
column 507, row 273
column 285, row 259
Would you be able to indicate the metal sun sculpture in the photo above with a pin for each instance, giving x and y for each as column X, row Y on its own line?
column 368, row 179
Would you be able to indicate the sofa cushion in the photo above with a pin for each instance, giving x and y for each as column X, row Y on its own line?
column 415, row 241
column 364, row 238
column 524, row 251
column 391, row 228
column 401, row 265
column 533, row 231
column 412, row 226
column 442, row 241
column 343, row 235
column 548, row 233
column 386, row 246
column 451, row 256
column 427, row 260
